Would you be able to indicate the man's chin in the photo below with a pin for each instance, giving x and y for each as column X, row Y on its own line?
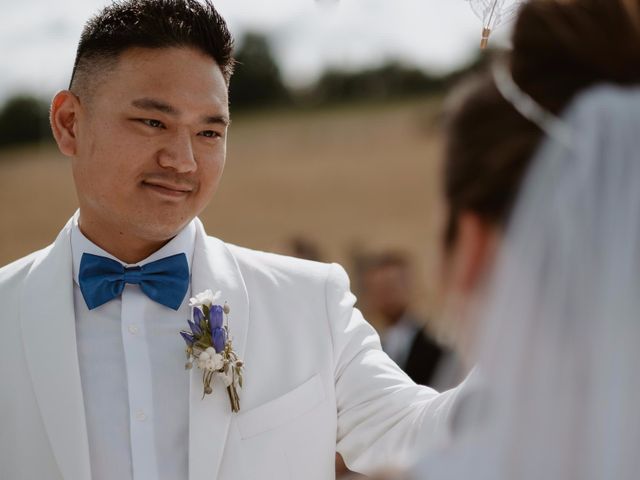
column 162, row 228
column 167, row 232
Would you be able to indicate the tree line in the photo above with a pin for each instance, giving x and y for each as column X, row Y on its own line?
column 257, row 83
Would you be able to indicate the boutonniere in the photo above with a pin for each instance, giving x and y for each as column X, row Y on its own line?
column 209, row 345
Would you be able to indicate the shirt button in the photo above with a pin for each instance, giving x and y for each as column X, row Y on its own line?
column 141, row 416
column 133, row 329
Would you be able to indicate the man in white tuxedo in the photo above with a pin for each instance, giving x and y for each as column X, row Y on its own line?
column 92, row 377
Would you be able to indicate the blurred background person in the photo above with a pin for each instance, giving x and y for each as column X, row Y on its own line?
column 300, row 247
column 387, row 292
column 542, row 250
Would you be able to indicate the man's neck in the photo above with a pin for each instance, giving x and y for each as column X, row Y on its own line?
column 125, row 247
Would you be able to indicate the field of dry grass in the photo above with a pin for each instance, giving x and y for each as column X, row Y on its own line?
column 350, row 178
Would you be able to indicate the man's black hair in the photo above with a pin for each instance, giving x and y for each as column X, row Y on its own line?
column 151, row 24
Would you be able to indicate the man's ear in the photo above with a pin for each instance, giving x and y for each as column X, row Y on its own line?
column 474, row 252
column 65, row 108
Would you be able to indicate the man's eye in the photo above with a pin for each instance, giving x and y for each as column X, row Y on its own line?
column 209, row 134
column 153, row 123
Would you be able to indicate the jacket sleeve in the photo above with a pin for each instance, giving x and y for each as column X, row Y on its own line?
column 384, row 418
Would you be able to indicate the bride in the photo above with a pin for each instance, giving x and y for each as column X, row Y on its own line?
column 543, row 179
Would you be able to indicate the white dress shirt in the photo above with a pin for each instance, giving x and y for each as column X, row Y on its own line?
column 136, row 390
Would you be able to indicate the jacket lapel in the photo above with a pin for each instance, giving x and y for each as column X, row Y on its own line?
column 215, row 268
column 49, row 338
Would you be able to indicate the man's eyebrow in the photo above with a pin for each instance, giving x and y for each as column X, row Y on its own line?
column 216, row 119
column 153, row 104
column 158, row 105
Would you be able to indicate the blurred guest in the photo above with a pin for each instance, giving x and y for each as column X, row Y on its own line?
column 300, row 247
column 387, row 289
column 543, row 248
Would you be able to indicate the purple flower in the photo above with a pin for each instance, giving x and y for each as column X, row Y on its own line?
column 198, row 317
column 215, row 317
column 195, row 328
column 218, row 338
column 188, row 338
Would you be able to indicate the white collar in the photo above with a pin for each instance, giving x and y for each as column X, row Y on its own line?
column 183, row 242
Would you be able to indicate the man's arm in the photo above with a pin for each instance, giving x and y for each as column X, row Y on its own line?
column 384, row 418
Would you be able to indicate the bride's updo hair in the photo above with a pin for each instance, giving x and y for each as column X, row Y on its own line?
column 560, row 48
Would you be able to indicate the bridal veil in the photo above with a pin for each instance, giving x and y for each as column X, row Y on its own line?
column 559, row 348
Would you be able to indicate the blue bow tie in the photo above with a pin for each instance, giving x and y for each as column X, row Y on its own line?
column 165, row 281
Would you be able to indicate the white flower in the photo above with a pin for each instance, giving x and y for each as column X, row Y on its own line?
column 203, row 361
column 217, row 361
column 204, row 298
column 210, row 361
column 211, row 351
column 227, row 378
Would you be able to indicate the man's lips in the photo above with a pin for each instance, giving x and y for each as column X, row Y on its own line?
column 168, row 188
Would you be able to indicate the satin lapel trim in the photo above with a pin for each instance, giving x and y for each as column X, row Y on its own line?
column 215, row 268
column 49, row 338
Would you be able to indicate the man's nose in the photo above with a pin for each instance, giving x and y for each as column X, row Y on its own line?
column 178, row 154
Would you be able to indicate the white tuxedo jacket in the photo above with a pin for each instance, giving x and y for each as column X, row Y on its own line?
column 315, row 377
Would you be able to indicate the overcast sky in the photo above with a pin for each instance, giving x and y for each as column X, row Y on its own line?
column 38, row 38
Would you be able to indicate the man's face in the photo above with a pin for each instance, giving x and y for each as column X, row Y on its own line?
column 388, row 290
column 151, row 142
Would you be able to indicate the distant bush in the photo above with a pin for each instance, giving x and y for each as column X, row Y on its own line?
column 24, row 119
column 389, row 81
column 257, row 81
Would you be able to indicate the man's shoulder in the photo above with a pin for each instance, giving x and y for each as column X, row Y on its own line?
column 20, row 266
column 12, row 274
